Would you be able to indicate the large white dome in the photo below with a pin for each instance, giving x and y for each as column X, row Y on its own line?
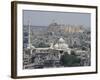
column 61, row 44
column 61, row 40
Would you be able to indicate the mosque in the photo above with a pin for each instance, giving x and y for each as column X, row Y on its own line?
column 60, row 45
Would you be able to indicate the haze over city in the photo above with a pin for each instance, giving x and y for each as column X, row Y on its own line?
column 44, row 18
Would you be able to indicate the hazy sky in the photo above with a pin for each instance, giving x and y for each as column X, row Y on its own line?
column 44, row 18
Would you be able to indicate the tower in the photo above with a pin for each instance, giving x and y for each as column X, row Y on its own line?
column 29, row 34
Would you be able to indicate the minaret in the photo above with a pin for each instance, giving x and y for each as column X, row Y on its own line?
column 29, row 41
column 29, row 37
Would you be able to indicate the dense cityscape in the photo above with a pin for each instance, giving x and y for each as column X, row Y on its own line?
column 56, row 45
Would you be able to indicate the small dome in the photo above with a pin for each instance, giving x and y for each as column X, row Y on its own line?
column 32, row 47
column 56, row 46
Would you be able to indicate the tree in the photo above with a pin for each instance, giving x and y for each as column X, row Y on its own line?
column 69, row 60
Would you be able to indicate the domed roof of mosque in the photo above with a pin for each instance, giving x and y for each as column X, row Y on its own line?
column 56, row 46
column 61, row 44
column 61, row 40
column 32, row 47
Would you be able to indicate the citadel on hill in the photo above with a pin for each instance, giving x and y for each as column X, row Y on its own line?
column 65, row 27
